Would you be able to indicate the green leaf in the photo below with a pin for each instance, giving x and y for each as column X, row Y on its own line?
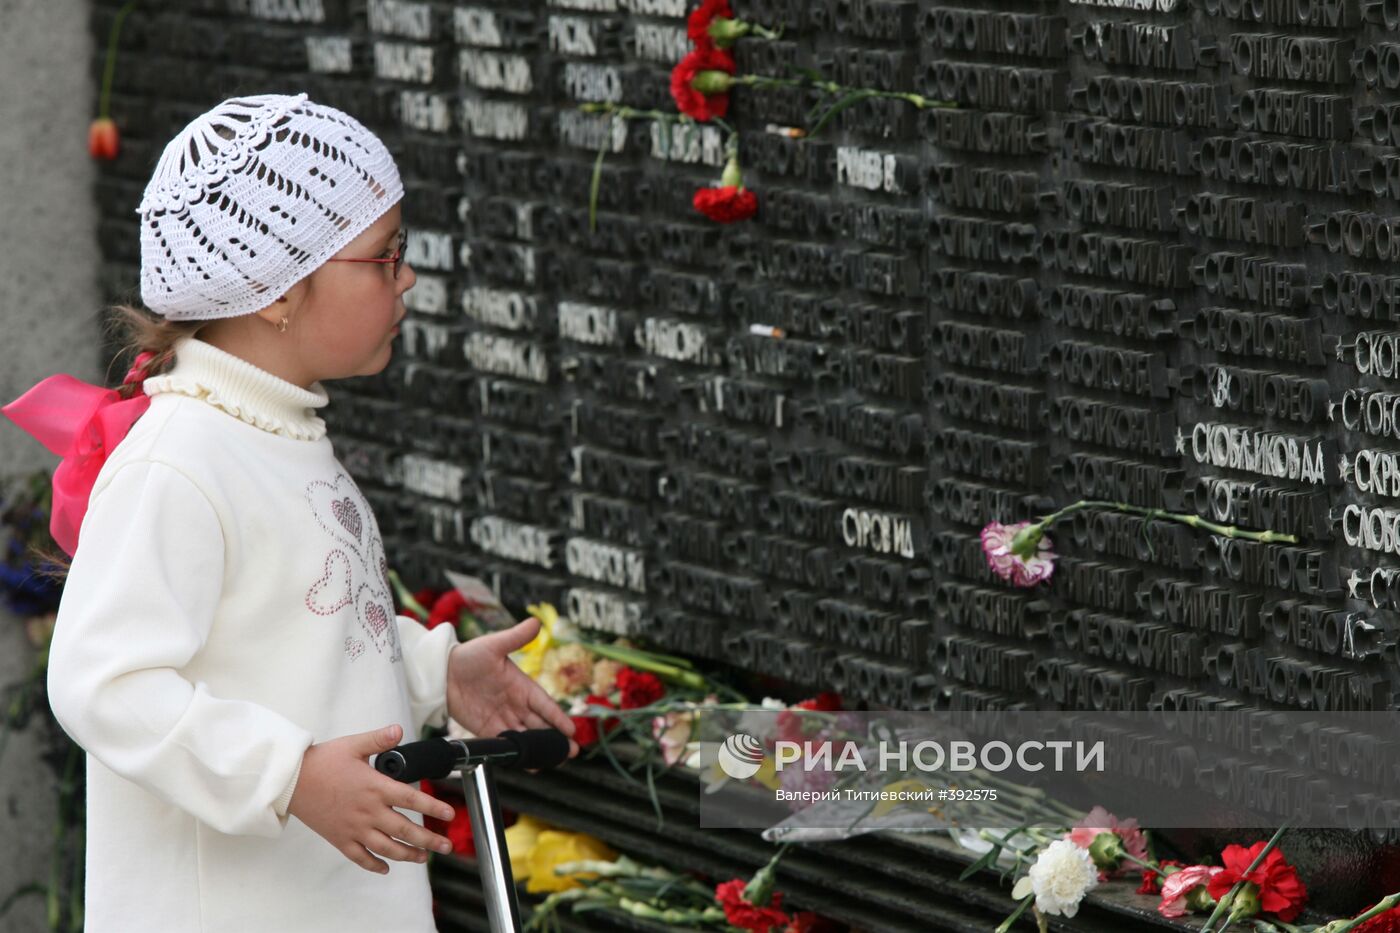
column 987, row 859
column 651, row 791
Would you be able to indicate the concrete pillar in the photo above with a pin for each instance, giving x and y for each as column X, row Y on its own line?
column 49, row 307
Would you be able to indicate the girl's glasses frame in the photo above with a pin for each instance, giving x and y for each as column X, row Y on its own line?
column 396, row 259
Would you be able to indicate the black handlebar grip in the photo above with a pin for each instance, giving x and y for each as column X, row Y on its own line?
column 539, row 748
column 431, row 758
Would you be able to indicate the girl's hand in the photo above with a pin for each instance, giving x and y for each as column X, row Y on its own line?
column 487, row 693
column 351, row 805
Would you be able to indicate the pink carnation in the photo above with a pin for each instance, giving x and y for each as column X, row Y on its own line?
column 1022, row 572
column 1177, row 886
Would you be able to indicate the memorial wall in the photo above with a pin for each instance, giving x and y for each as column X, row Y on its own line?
column 1150, row 255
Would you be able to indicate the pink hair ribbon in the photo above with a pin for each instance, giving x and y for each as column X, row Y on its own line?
column 81, row 423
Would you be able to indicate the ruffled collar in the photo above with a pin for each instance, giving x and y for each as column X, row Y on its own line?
column 250, row 394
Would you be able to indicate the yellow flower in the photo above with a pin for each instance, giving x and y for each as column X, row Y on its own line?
column 531, row 658
column 768, row 774
column 521, row 838
column 555, row 847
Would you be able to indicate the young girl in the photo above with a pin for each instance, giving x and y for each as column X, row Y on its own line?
column 227, row 650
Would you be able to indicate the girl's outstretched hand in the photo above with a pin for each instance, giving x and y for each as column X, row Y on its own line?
column 487, row 693
column 351, row 805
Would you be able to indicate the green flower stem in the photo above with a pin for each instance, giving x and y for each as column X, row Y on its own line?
column 1235, row 889
column 1006, row 924
column 546, row 908
column 1193, row 521
column 632, row 113
column 647, row 662
column 405, row 597
column 670, row 915
column 1148, row 865
column 618, row 869
column 1386, row 903
column 104, row 100
column 838, row 90
column 978, row 813
column 1021, row 792
column 1003, row 842
column 759, row 890
column 1039, row 838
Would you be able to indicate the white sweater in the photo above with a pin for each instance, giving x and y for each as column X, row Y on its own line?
column 228, row 606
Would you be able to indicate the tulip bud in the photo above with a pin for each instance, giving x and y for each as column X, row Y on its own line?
column 103, row 139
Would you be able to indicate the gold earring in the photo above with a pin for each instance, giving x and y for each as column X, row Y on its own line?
column 283, row 326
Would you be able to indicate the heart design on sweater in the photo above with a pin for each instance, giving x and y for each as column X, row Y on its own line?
column 355, row 573
column 377, row 622
column 342, row 511
column 349, row 517
column 331, row 592
column 377, row 618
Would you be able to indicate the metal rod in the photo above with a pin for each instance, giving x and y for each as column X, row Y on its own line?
column 492, row 857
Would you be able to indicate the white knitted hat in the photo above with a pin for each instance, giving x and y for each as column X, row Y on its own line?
column 251, row 198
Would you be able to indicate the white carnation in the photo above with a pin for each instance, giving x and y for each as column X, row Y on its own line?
column 1060, row 877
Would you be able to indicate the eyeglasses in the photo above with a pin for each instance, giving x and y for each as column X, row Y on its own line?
column 396, row 259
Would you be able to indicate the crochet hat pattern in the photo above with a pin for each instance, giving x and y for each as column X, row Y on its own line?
column 252, row 197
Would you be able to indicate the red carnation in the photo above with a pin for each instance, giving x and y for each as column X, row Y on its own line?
column 447, row 609
column 1281, row 891
column 698, row 25
column 459, row 830
column 789, row 724
column 425, row 597
column 585, row 730
column 586, row 727
column 1388, row 922
column 726, row 205
column 711, row 98
column 742, row 914
column 639, row 688
column 826, row 702
column 1151, row 880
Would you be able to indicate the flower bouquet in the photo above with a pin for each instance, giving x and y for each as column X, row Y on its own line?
column 659, row 894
